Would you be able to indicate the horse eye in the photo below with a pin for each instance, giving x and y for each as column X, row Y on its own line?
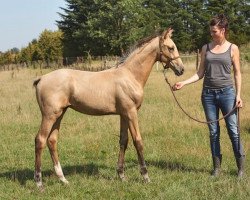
column 171, row 49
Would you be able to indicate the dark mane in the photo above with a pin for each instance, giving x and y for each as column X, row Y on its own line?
column 136, row 46
column 145, row 40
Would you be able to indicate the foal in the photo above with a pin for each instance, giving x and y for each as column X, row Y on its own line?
column 114, row 91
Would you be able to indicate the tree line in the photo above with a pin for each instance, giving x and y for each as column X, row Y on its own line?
column 48, row 47
column 111, row 27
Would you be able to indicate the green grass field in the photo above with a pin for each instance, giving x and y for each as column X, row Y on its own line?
column 176, row 148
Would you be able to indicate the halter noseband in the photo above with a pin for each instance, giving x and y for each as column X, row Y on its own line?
column 169, row 58
column 166, row 66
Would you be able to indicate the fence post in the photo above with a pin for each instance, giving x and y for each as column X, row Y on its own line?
column 197, row 60
column 157, row 66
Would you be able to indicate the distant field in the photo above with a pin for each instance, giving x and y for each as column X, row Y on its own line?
column 176, row 149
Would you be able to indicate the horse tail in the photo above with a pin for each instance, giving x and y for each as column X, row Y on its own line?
column 36, row 81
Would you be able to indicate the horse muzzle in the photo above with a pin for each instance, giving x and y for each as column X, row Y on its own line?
column 179, row 72
column 177, row 69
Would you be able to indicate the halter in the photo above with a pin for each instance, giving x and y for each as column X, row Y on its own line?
column 168, row 57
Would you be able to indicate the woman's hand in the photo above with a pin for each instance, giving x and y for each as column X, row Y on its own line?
column 178, row 86
column 239, row 102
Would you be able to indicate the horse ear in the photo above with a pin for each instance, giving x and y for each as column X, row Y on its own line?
column 168, row 33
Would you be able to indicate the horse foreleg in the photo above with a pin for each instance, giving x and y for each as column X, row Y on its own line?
column 52, row 145
column 137, row 140
column 40, row 143
column 123, row 146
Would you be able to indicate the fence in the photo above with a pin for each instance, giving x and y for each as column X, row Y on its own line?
column 89, row 64
column 98, row 63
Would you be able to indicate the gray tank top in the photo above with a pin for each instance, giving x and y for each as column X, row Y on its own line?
column 218, row 69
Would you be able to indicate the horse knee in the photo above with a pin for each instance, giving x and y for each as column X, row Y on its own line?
column 40, row 142
column 123, row 142
column 51, row 142
column 139, row 145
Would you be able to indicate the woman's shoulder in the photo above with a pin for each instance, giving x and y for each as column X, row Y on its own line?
column 205, row 47
column 234, row 48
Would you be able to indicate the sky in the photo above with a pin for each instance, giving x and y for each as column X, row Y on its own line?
column 21, row 21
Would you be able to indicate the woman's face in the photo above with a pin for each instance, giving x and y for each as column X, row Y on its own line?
column 217, row 33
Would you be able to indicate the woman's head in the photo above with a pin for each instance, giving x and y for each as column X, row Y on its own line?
column 218, row 26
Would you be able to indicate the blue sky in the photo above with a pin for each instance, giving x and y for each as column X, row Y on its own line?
column 21, row 21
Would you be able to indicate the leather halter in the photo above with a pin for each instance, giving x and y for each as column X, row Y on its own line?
column 162, row 54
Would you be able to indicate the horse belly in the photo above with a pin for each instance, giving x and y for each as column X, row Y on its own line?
column 93, row 105
column 92, row 111
column 94, row 93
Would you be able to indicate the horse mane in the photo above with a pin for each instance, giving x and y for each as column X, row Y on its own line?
column 138, row 44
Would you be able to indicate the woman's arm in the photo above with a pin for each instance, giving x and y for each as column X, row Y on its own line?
column 237, row 74
column 199, row 75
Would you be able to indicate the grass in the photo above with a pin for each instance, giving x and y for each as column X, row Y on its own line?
column 176, row 149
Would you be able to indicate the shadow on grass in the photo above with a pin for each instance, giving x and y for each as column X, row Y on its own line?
column 175, row 166
column 247, row 130
column 92, row 169
column 27, row 174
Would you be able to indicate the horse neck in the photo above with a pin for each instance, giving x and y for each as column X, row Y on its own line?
column 142, row 60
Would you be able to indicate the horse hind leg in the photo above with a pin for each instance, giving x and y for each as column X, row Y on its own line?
column 123, row 146
column 40, row 143
column 52, row 145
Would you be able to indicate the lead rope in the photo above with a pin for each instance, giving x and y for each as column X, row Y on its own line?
column 197, row 120
column 238, row 120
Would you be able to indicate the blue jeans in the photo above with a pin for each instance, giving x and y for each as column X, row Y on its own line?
column 222, row 99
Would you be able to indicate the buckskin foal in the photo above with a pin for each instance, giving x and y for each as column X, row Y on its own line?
column 118, row 90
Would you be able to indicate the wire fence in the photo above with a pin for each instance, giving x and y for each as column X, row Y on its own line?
column 90, row 63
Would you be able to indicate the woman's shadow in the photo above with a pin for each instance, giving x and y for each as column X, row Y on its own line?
column 175, row 166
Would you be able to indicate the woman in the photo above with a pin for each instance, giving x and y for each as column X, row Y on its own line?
column 218, row 92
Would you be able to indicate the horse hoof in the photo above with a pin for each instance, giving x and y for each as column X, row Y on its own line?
column 123, row 179
column 65, row 181
column 122, row 176
column 41, row 188
column 39, row 184
column 146, row 179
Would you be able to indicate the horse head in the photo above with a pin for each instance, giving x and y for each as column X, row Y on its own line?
column 169, row 53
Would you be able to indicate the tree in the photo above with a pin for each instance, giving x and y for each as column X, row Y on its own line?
column 47, row 48
column 238, row 15
column 25, row 55
column 49, row 45
column 100, row 27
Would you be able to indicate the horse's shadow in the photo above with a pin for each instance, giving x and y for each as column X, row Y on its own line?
column 24, row 175
column 92, row 169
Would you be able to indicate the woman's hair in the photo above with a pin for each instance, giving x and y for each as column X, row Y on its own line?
column 221, row 21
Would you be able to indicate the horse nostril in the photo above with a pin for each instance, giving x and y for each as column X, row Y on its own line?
column 181, row 71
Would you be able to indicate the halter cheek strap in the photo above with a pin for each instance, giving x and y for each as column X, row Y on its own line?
column 162, row 54
column 169, row 60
